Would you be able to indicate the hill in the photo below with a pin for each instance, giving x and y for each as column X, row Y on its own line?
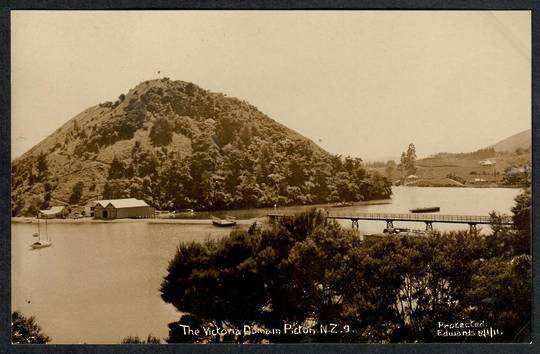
column 178, row 146
column 517, row 141
column 506, row 163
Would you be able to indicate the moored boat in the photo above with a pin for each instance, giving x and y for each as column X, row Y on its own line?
column 425, row 210
column 223, row 222
column 41, row 244
column 342, row 204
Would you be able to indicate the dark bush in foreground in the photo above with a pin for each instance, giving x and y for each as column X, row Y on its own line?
column 26, row 330
column 307, row 271
column 136, row 340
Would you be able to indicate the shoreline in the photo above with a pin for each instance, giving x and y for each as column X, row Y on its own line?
column 197, row 221
column 266, row 210
column 89, row 220
column 460, row 186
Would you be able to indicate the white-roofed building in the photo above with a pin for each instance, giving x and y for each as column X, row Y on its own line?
column 487, row 163
column 122, row 208
column 54, row 212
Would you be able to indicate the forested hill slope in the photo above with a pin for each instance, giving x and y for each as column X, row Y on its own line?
column 177, row 146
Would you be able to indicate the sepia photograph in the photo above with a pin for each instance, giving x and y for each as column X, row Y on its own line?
column 259, row 177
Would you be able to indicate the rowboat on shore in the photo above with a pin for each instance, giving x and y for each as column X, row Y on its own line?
column 228, row 221
column 426, row 210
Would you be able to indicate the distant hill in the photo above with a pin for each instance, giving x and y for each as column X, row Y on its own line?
column 520, row 140
column 177, row 146
column 509, row 164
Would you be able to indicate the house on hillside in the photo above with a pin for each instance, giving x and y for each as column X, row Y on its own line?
column 54, row 213
column 122, row 208
column 487, row 163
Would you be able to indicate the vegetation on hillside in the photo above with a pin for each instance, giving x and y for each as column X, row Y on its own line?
column 478, row 154
column 178, row 146
column 307, row 271
column 263, row 174
column 26, row 330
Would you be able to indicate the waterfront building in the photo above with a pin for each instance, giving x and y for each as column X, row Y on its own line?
column 54, row 212
column 122, row 208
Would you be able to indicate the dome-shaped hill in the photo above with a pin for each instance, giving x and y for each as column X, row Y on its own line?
column 178, row 146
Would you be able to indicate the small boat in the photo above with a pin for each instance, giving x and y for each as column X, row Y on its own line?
column 41, row 243
column 223, row 222
column 342, row 204
column 425, row 210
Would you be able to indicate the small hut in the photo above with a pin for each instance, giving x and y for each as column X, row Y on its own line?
column 54, row 212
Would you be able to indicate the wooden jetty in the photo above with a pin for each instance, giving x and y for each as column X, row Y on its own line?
column 428, row 219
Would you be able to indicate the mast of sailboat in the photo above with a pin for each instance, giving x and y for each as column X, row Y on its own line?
column 46, row 230
column 38, row 229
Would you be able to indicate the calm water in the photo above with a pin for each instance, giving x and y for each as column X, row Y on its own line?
column 100, row 282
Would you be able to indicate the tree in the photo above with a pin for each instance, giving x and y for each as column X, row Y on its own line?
column 245, row 135
column 177, row 184
column 503, row 290
column 26, row 330
column 522, row 211
column 227, row 129
column 115, row 189
column 390, row 168
column 161, row 132
column 46, row 200
column 230, row 283
column 190, row 89
column 116, row 169
column 76, row 193
column 408, row 160
column 519, row 240
column 42, row 167
column 136, row 340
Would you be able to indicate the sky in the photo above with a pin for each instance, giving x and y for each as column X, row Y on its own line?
column 358, row 83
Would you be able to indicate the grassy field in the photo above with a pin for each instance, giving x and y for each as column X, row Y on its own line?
column 434, row 171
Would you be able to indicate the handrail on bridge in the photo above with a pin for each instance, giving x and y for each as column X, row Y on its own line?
column 469, row 219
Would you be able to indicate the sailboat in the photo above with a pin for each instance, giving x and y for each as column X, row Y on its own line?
column 41, row 243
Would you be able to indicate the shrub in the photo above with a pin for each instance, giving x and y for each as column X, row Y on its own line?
column 161, row 132
column 136, row 340
column 26, row 330
column 76, row 193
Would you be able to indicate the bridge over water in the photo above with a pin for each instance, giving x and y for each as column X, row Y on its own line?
column 428, row 219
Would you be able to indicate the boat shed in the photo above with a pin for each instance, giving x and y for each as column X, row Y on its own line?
column 54, row 212
column 122, row 208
